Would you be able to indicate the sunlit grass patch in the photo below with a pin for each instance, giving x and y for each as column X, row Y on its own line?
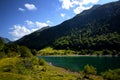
column 13, row 76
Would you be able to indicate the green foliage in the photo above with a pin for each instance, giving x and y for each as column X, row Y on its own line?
column 1, row 45
column 34, row 52
column 107, row 52
column 98, row 53
column 88, row 41
column 19, row 64
column 17, row 68
column 29, row 62
column 13, row 76
column 14, row 65
column 42, row 62
column 2, row 54
column 12, row 50
column 25, row 52
column 112, row 74
column 88, row 69
column 51, row 51
column 9, row 50
column 79, row 33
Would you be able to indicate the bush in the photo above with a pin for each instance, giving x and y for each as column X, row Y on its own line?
column 30, row 62
column 107, row 52
column 14, row 65
column 27, row 63
column 112, row 74
column 25, row 52
column 88, row 69
column 34, row 52
column 42, row 62
column 1, row 45
column 2, row 54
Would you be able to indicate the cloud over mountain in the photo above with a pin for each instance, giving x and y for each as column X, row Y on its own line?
column 18, row 31
column 77, row 5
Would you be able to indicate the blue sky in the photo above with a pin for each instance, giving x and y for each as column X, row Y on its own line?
column 22, row 17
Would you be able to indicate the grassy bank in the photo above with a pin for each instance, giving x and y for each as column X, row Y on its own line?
column 84, row 52
column 16, row 68
column 19, row 63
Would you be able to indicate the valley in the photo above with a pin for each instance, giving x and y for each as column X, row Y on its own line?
column 85, row 47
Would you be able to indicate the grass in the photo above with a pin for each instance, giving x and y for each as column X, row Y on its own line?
column 13, row 76
column 14, row 68
column 55, row 73
column 51, row 51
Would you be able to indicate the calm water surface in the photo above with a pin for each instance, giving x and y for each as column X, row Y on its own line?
column 77, row 63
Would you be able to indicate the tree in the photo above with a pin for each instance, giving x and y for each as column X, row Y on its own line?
column 25, row 52
column 34, row 52
column 1, row 45
column 111, row 74
column 2, row 54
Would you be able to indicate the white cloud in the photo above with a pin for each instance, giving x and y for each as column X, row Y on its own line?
column 36, row 24
column 62, row 15
column 66, row 4
column 48, row 21
column 29, row 23
column 80, row 9
column 77, row 5
column 40, row 25
column 21, row 9
column 30, row 6
column 19, row 31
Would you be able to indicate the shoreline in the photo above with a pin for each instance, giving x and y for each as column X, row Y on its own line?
column 78, row 55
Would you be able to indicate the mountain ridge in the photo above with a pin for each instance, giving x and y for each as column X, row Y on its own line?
column 5, row 40
column 101, row 21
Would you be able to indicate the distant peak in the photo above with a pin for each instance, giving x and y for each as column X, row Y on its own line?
column 43, row 28
column 5, row 40
column 96, row 6
column 89, row 10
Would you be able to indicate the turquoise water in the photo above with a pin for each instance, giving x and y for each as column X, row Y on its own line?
column 77, row 63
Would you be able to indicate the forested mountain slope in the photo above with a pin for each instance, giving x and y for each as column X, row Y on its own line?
column 96, row 29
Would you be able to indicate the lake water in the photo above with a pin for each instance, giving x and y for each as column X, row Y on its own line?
column 77, row 63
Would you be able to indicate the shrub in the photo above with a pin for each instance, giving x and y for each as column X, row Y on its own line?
column 106, row 52
column 25, row 52
column 30, row 62
column 34, row 52
column 14, row 65
column 88, row 69
column 27, row 63
column 112, row 74
column 2, row 54
column 42, row 62
column 1, row 44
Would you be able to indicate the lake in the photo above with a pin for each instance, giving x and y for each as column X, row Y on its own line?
column 77, row 63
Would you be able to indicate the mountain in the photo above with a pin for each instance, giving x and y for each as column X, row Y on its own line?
column 5, row 40
column 97, row 28
column 89, row 10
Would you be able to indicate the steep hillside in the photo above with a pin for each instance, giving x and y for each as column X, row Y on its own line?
column 97, row 28
column 5, row 40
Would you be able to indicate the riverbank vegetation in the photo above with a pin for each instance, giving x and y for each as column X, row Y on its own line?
column 52, row 51
column 19, row 63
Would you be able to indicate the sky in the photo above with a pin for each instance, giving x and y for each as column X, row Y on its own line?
column 22, row 17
